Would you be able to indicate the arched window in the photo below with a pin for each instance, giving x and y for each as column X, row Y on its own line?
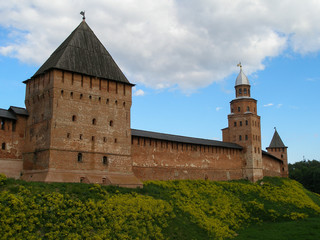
column 94, row 121
column 79, row 157
column 246, row 122
column 116, row 102
column 74, row 118
column 105, row 160
column 81, row 95
column 111, row 123
column 3, row 146
column 107, row 101
column 248, row 108
column 240, row 91
column 245, row 91
column 61, row 92
column 239, row 109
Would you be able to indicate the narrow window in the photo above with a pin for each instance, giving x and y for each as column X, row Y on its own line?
column 248, row 108
column 71, row 94
column 235, row 124
column 68, row 135
column 105, row 160
column 239, row 109
column 61, row 92
column 104, row 139
column 3, row 146
column 99, row 99
column 92, row 138
column 247, row 122
column 111, row 123
column 124, row 104
column 240, row 91
column 245, row 91
column 74, row 118
column 116, row 102
column 246, row 137
column 94, row 121
column 115, row 140
column 2, row 124
column 240, row 137
column 90, row 97
column 240, row 123
column 79, row 157
column 80, row 137
column 107, row 101
column 81, row 95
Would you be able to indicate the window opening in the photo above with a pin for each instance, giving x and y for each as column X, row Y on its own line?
column 111, row 123
column 74, row 118
column 94, row 121
column 79, row 157
column 3, row 146
column 105, row 160
column 2, row 124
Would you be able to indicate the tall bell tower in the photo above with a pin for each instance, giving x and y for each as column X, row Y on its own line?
column 244, row 127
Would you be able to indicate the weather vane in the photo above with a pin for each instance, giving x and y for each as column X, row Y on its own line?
column 239, row 65
column 83, row 15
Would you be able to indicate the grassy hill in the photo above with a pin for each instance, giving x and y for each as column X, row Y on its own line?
column 161, row 210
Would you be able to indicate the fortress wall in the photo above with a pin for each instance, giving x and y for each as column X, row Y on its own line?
column 271, row 167
column 165, row 160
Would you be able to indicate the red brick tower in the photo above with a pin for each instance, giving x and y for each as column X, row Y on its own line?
column 79, row 104
column 279, row 150
column 244, row 128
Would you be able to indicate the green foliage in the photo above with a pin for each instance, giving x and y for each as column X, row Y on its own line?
column 161, row 210
column 3, row 179
column 307, row 173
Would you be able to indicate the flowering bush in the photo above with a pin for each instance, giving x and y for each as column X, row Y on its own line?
column 33, row 211
column 3, row 179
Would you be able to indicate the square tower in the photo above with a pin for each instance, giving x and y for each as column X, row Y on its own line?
column 79, row 105
column 244, row 128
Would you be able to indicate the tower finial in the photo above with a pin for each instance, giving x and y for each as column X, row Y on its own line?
column 239, row 65
column 83, row 15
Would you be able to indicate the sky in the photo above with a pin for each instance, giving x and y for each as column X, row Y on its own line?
column 183, row 56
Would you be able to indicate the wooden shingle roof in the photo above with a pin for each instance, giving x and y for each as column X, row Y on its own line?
column 83, row 53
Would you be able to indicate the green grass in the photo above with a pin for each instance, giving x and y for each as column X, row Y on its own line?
column 307, row 229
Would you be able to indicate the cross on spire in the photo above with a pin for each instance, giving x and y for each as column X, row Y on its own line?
column 239, row 65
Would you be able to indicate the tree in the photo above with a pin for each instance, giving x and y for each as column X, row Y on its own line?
column 307, row 173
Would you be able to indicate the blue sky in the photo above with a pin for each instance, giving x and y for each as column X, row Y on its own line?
column 183, row 63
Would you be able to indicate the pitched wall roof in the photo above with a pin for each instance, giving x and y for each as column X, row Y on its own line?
column 83, row 53
column 276, row 141
column 182, row 139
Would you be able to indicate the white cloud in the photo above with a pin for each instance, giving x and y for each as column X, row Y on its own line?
column 268, row 105
column 279, row 105
column 169, row 43
column 138, row 92
column 218, row 108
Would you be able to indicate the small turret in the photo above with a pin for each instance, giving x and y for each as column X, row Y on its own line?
column 279, row 150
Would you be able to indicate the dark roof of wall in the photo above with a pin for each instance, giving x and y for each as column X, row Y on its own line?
column 270, row 155
column 19, row 111
column 182, row 139
column 7, row 114
column 276, row 141
column 12, row 112
column 83, row 53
